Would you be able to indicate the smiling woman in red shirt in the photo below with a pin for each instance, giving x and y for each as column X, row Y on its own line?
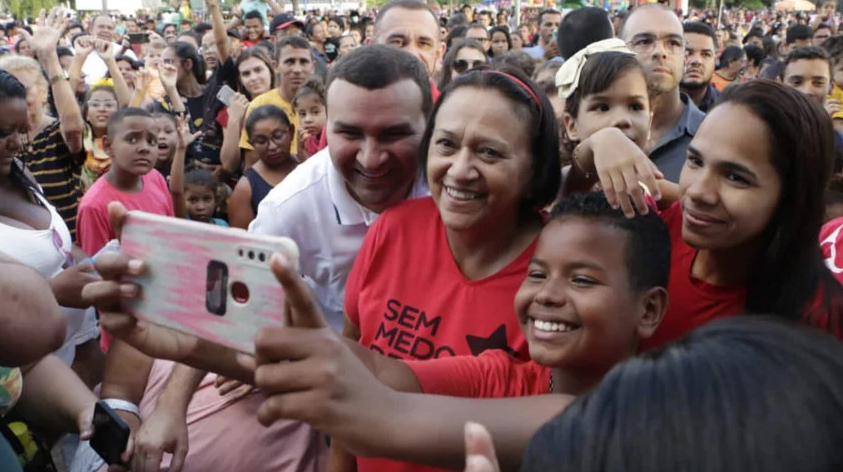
column 746, row 215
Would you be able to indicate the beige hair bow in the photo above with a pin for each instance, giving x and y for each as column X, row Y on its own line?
column 568, row 76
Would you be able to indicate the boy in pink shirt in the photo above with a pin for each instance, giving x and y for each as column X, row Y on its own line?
column 130, row 141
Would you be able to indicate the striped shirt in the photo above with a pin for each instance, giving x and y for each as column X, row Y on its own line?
column 56, row 170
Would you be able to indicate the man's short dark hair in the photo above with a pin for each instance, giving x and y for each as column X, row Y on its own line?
column 253, row 15
column 753, row 33
column 294, row 41
column 797, row 33
column 547, row 11
column 807, row 53
column 754, row 55
column 582, row 27
column 698, row 27
column 407, row 5
column 120, row 115
column 377, row 67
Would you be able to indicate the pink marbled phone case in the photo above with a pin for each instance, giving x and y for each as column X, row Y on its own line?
column 206, row 280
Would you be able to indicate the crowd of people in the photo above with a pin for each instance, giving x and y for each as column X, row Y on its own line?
column 534, row 246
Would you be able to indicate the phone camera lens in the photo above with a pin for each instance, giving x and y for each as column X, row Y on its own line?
column 251, row 255
column 240, row 252
column 262, row 257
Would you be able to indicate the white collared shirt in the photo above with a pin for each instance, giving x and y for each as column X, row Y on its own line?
column 312, row 206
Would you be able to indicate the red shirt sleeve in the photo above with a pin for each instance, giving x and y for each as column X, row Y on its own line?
column 493, row 374
column 93, row 230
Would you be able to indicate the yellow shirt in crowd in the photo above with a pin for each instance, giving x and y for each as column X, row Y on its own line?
column 273, row 97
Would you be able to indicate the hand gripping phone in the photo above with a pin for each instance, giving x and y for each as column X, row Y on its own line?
column 111, row 434
column 206, row 280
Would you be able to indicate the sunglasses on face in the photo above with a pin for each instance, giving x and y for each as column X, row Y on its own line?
column 461, row 65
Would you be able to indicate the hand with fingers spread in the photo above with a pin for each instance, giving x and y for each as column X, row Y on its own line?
column 184, row 138
column 479, row 450
column 621, row 167
column 49, row 30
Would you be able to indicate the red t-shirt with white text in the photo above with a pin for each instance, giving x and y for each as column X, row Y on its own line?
column 410, row 300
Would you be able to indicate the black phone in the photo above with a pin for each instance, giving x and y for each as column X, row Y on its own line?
column 111, row 434
column 138, row 38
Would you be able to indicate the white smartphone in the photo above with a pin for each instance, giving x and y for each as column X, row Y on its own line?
column 206, row 280
column 225, row 95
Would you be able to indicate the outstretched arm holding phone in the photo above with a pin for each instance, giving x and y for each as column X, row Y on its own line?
column 324, row 383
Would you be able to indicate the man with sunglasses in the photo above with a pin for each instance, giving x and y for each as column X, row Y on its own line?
column 655, row 34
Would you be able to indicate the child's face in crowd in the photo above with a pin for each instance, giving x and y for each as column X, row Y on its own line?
column 132, row 145
column 272, row 140
column 576, row 306
column 166, row 138
column 728, row 188
column 479, row 164
column 127, row 72
column 624, row 105
column 311, row 113
column 101, row 105
column 200, row 201
column 153, row 56
column 809, row 76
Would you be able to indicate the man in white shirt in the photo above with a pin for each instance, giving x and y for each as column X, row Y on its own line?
column 378, row 99
column 94, row 67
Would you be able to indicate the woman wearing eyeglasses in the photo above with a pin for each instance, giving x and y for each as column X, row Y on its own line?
column 271, row 135
column 465, row 55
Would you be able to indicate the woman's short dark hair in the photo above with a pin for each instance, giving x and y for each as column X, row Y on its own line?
column 451, row 56
column 186, row 51
column 539, row 122
column 505, row 31
column 264, row 112
column 790, row 270
column 739, row 394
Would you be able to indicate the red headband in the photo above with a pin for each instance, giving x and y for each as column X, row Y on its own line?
column 519, row 83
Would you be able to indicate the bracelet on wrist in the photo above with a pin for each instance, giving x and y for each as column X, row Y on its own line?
column 122, row 405
column 576, row 162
